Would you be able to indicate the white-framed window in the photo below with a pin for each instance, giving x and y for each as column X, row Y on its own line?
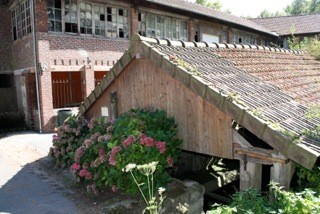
column 70, row 16
column 21, row 20
column 157, row 26
column 99, row 20
column 95, row 19
column 54, row 15
column 117, row 23
column 85, row 18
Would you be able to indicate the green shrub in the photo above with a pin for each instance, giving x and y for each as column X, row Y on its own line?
column 138, row 136
column 308, row 179
column 312, row 45
column 68, row 139
column 253, row 202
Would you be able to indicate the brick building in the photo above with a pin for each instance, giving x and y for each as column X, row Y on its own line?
column 54, row 52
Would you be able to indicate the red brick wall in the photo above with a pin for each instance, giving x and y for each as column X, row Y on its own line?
column 134, row 24
column 5, row 38
column 69, row 47
column 190, row 30
column 22, row 53
column 41, row 17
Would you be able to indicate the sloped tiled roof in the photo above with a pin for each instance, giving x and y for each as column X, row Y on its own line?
column 205, row 11
column 268, row 91
column 303, row 24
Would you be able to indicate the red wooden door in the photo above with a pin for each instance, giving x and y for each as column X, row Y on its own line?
column 66, row 89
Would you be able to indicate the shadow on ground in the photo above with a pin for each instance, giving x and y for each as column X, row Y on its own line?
column 33, row 190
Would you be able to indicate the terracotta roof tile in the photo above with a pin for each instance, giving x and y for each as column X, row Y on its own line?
column 303, row 24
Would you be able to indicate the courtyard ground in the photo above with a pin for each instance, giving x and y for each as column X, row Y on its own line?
column 29, row 183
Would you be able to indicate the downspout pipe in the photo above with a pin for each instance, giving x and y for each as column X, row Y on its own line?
column 35, row 61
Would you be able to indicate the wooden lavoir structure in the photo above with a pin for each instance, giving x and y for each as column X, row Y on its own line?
column 208, row 88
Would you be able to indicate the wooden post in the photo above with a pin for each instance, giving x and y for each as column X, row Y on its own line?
column 250, row 175
column 113, row 105
column 282, row 174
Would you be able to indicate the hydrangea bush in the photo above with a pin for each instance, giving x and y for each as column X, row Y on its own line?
column 138, row 136
column 68, row 139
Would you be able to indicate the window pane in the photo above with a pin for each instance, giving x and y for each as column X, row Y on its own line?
column 57, row 4
column 86, row 18
column 54, row 15
column 71, row 16
column 50, row 3
column 50, row 13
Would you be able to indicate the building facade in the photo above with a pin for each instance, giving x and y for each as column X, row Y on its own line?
column 56, row 51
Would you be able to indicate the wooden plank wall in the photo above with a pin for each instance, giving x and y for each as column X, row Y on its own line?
column 203, row 128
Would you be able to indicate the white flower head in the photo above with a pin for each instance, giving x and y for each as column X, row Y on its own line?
column 129, row 167
column 148, row 169
column 161, row 190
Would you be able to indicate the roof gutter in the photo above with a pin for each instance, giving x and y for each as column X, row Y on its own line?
column 35, row 61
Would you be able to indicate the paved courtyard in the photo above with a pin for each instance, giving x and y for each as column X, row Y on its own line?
column 25, row 186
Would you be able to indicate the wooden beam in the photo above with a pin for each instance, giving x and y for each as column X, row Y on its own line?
column 244, row 151
column 262, row 157
column 250, row 175
column 282, row 174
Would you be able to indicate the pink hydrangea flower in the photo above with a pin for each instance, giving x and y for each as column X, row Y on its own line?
column 102, row 152
column 112, row 161
column 54, row 138
column 170, row 161
column 161, row 146
column 80, row 151
column 91, row 124
column 96, row 135
column 83, row 172
column 142, row 136
column 75, row 166
column 127, row 142
column 107, row 137
column 65, row 127
column 88, row 175
column 100, row 139
column 147, row 141
column 114, row 151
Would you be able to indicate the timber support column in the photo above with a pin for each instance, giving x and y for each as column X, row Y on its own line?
column 282, row 174
column 250, row 175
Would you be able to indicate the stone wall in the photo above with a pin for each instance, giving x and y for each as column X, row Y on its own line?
column 184, row 195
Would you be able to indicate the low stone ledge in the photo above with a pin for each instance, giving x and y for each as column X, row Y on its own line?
column 183, row 193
